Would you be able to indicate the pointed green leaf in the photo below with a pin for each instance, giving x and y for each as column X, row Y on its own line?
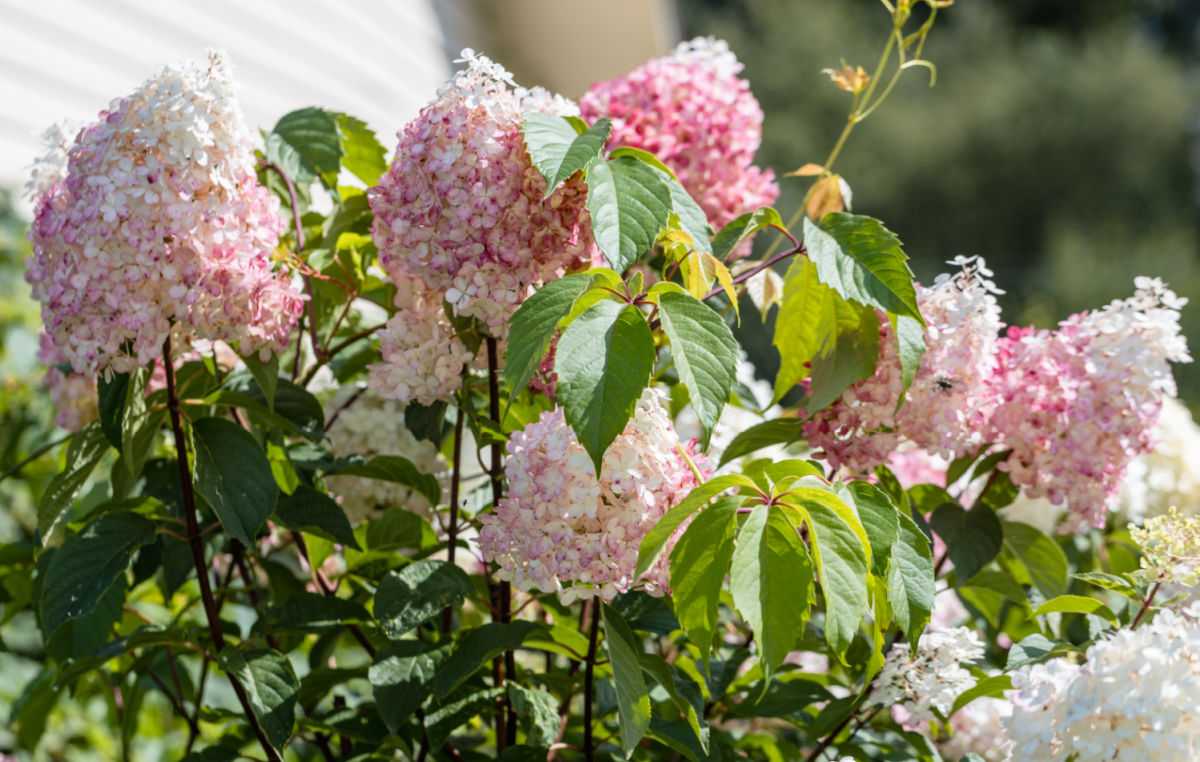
column 807, row 324
column 312, row 133
column 633, row 700
column 112, row 392
column 362, row 153
column 417, row 593
column 699, row 563
column 771, row 581
column 402, row 677
column 765, row 434
column 84, row 452
column 1076, row 604
column 1042, row 557
column 852, row 358
column 629, row 205
column 743, row 227
column 234, row 477
column 271, row 685
column 880, row 518
column 603, row 362
column 534, row 324
column 478, row 647
column 705, row 354
column 312, row 511
column 557, row 150
column 910, row 347
column 656, row 539
column 863, row 261
column 390, row 468
column 910, row 580
column 973, row 538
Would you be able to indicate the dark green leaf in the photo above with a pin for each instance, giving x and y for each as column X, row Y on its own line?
column 538, row 711
column 313, row 134
column 314, row 611
column 1042, row 557
column 777, row 431
column 266, row 374
column 863, row 261
column 603, row 362
column 234, row 477
column 85, row 567
column 308, row 510
column 880, row 518
column 390, row 468
column 699, row 563
column 704, row 351
column 743, row 227
column 633, row 701
column 417, row 593
column 910, row 347
column 558, row 151
column 402, row 677
column 84, row 452
column 478, row 647
column 112, row 392
column 271, row 685
column 629, row 204
column 910, row 579
column 533, row 326
column 771, row 581
column 973, row 538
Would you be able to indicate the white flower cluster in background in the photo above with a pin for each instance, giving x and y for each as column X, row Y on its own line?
column 932, row 677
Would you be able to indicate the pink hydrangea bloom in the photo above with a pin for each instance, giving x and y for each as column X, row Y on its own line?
column 560, row 529
column 462, row 205
column 158, row 224
column 947, row 406
column 693, row 111
column 73, row 394
column 1076, row 405
column 422, row 357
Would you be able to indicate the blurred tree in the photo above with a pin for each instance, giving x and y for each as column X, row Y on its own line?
column 1057, row 142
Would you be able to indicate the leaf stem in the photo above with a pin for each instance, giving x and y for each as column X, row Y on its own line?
column 770, row 261
column 211, row 613
column 589, row 752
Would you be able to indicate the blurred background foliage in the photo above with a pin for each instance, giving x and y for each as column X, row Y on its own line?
column 1059, row 141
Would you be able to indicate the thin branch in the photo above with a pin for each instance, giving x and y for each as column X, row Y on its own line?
column 765, row 264
column 1145, row 606
column 589, row 751
column 496, row 472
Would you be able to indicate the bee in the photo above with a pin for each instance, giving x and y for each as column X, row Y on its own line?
column 943, row 384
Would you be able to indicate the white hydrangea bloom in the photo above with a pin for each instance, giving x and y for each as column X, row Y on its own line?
column 932, row 677
column 1169, row 475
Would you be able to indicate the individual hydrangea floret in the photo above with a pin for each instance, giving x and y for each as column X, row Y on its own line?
column 462, row 206
column 692, row 111
column 1076, row 405
column 932, row 677
column 946, row 407
column 156, row 225
column 560, row 529
column 1133, row 698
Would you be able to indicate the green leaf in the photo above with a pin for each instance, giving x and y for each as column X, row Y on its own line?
column 842, row 555
column 993, row 686
column 656, row 539
column 1075, row 604
column 139, row 427
column 362, row 153
column 112, row 392
column 683, row 692
column 863, row 261
column 771, row 582
column 910, row 579
column 810, row 317
column 880, row 518
column 538, row 711
column 266, row 374
column 417, row 593
column 234, row 477
column 633, row 700
column 778, row 431
column 973, row 538
column 28, row 714
column 558, row 151
column 533, row 326
column 271, row 685
column 705, row 354
column 84, row 452
column 478, row 647
column 1041, row 556
column 699, row 563
column 314, row 611
column 85, row 567
column 603, row 362
column 743, row 227
column 692, row 218
column 313, row 134
column 402, row 677
column 1031, row 649
column 629, row 204
column 312, row 511
column 1114, row 582
column 852, row 358
column 910, row 347
column 390, row 468
column 443, row 720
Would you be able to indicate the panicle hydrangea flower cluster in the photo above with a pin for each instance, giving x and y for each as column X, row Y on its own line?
column 1170, row 547
column 560, row 529
column 1169, row 475
column 73, row 394
column 946, row 406
column 462, row 206
column 932, row 677
column 693, row 111
column 1076, row 405
column 1133, row 698
column 156, row 225
column 371, row 425
column 978, row 728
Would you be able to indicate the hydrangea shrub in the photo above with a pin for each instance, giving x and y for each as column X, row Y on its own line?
column 471, row 465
